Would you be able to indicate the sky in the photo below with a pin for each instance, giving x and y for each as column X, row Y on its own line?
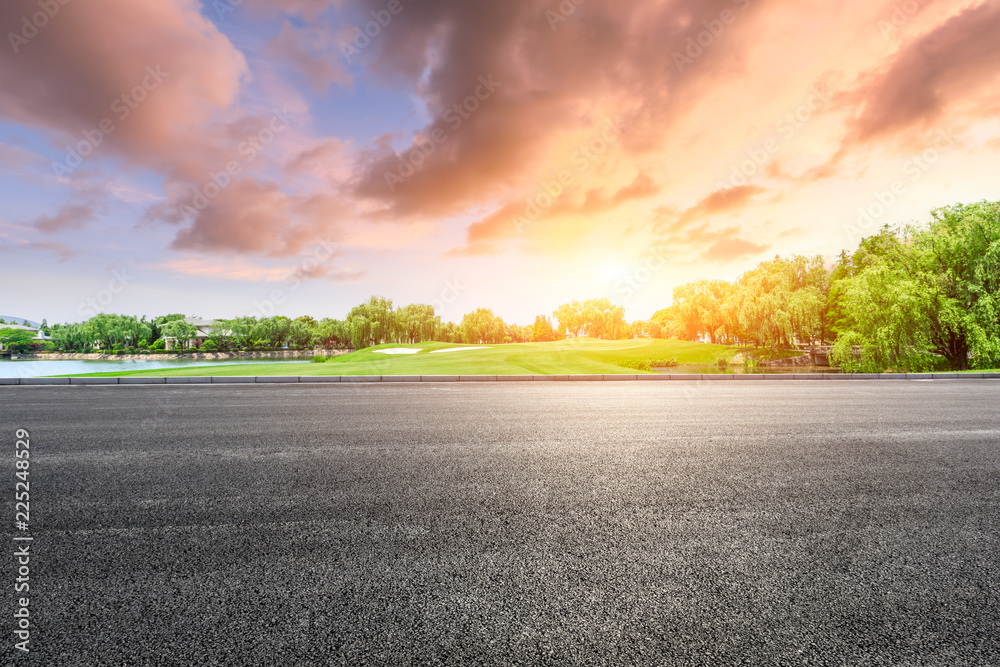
column 292, row 157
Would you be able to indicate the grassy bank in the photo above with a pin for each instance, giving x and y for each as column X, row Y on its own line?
column 578, row 356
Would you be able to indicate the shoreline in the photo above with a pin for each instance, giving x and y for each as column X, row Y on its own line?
column 467, row 379
column 195, row 356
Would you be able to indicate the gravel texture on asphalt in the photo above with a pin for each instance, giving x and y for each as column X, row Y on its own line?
column 751, row 523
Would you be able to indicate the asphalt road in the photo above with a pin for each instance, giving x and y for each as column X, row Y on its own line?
column 791, row 523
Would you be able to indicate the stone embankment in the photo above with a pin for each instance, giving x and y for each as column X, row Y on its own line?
column 817, row 356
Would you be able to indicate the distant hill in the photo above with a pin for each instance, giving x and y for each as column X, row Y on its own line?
column 20, row 320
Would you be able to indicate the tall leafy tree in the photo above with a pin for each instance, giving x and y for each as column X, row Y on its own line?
column 542, row 331
column 932, row 288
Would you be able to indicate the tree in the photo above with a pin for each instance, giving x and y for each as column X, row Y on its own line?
column 932, row 288
column 598, row 318
column 603, row 319
column 236, row 333
column 300, row 332
column 271, row 331
column 449, row 333
column 116, row 331
column 650, row 329
column 331, row 334
column 181, row 331
column 542, row 331
column 570, row 318
column 519, row 334
column 417, row 323
column 483, row 327
column 157, row 323
column 372, row 323
column 16, row 340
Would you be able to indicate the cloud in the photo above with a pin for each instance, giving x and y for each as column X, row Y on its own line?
column 153, row 71
column 307, row 9
column 18, row 160
column 501, row 100
column 551, row 81
column 483, row 235
column 242, row 270
column 720, row 201
column 729, row 248
column 325, row 272
column 249, row 216
column 597, row 201
column 324, row 160
column 689, row 232
column 63, row 251
column 943, row 68
column 219, row 269
column 312, row 52
column 70, row 216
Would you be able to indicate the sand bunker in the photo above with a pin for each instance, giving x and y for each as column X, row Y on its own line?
column 399, row 350
column 458, row 349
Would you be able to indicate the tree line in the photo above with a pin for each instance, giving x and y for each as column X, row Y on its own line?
column 911, row 299
column 905, row 299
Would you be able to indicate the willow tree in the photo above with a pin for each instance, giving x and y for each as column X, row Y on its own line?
column 927, row 289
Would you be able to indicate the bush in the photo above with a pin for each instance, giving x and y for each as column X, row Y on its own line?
column 722, row 362
column 160, row 344
column 209, row 346
column 666, row 363
column 319, row 359
column 637, row 364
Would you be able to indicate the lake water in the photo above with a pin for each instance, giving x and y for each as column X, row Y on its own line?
column 740, row 370
column 30, row 368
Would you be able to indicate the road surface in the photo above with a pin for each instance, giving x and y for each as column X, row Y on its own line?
column 819, row 523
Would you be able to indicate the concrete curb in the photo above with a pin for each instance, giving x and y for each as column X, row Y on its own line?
column 433, row 379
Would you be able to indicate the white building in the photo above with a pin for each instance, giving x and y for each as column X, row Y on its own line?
column 203, row 329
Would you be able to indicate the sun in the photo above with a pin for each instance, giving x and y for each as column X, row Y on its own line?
column 608, row 269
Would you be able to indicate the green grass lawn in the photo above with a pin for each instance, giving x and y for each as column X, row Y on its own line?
column 580, row 356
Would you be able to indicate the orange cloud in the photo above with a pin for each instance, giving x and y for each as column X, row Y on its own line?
column 138, row 79
column 720, row 201
column 249, row 216
column 947, row 66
